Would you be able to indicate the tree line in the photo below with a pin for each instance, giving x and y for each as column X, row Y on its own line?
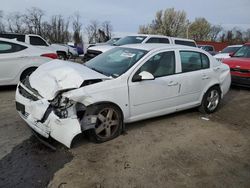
column 56, row 29
column 174, row 23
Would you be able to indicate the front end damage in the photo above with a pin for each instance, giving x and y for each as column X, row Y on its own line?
column 60, row 118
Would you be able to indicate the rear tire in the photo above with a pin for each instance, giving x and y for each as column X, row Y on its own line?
column 211, row 100
column 62, row 55
column 108, row 125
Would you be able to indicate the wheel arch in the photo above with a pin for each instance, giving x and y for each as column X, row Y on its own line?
column 62, row 52
column 107, row 102
column 208, row 87
column 27, row 70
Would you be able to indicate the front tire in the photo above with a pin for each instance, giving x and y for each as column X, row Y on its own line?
column 211, row 100
column 108, row 125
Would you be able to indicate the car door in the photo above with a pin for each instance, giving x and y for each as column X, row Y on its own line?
column 194, row 77
column 11, row 57
column 149, row 98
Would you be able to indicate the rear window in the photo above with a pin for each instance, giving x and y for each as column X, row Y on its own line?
column 185, row 43
column 8, row 47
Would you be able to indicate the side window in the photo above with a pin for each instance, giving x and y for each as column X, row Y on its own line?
column 7, row 47
column 185, row 43
column 205, row 61
column 37, row 41
column 192, row 61
column 162, row 64
column 164, row 40
column 158, row 40
column 153, row 40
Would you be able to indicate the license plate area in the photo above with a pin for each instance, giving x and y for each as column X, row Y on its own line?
column 20, row 107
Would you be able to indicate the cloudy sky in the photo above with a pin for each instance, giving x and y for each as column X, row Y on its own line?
column 127, row 15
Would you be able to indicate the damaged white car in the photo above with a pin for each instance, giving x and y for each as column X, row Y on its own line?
column 126, row 84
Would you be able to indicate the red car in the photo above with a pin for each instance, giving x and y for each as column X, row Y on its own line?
column 240, row 66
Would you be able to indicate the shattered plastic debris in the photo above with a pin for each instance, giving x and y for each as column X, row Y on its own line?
column 204, row 118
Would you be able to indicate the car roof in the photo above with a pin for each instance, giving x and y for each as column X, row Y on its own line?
column 155, row 46
column 147, row 35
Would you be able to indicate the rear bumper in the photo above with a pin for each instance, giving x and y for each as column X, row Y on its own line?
column 241, row 81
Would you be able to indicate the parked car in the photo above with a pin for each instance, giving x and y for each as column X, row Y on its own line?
column 38, row 41
column 109, row 42
column 18, row 60
column 240, row 66
column 78, row 48
column 123, row 85
column 72, row 52
column 227, row 52
column 137, row 39
column 208, row 48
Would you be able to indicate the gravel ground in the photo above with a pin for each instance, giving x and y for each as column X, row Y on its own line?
column 185, row 149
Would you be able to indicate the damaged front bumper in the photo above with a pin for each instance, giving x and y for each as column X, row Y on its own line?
column 38, row 113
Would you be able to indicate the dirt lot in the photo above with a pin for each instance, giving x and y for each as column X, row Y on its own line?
column 178, row 150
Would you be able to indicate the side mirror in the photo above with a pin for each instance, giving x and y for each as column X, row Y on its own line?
column 231, row 54
column 144, row 75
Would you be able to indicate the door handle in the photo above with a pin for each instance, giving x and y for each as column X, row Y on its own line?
column 216, row 68
column 205, row 77
column 172, row 83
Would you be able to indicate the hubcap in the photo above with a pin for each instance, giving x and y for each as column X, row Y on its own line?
column 107, row 123
column 213, row 100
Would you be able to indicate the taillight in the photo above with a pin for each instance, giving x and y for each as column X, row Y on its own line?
column 50, row 55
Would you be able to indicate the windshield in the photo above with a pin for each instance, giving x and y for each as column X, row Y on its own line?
column 115, row 62
column 112, row 41
column 230, row 49
column 244, row 51
column 130, row 40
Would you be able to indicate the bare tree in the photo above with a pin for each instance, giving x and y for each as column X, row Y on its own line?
column 247, row 35
column 215, row 30
column 57, row 30
column 107, row 29
column 77, row 27
column 200, row 29
column 33, row 20
column 15, row 23
column 144, row 29
column 2, row 28
column 92, row 31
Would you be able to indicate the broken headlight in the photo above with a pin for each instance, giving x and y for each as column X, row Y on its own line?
column 60, row 105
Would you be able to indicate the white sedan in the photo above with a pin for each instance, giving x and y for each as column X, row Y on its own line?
column 17, row 60
column 123, row 85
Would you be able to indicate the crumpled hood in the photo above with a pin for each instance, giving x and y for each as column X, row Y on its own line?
column 59, row 75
